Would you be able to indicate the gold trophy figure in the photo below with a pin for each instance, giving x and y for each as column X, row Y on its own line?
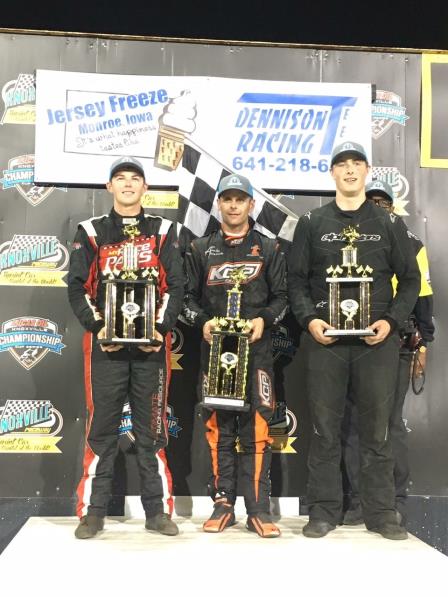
column 130, row 302
column 356, row 312
column 229, row 352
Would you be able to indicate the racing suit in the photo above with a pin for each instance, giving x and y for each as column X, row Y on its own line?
column 112, row 377
column 209, row 262
column 422, row 318
column 369, row 371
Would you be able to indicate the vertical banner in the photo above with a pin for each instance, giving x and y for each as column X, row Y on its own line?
column 434, row 140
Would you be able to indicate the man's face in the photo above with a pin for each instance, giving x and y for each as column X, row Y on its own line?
column 382, row 201
column 127, row 187
column 235, row 207
column 350, row 175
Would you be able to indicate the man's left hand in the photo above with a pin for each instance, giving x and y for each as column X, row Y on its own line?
column 420, row 363
column 381, row 329
column 148, row 348
column 257, row 329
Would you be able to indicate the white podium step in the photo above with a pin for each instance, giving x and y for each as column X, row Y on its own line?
column 45, row 559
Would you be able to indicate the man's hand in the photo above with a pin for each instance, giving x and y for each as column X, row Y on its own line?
column 257, row 329
column 148, row 348
column 209, row 326
column 381, row 329
column 420, row 363
column 107, row 347
column 317, row 327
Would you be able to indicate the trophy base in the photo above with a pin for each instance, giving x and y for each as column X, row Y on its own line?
column 222, row 403
column 359, row 333
column 131, row 341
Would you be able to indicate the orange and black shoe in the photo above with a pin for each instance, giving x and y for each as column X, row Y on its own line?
column 261, row 523
column 223, row 516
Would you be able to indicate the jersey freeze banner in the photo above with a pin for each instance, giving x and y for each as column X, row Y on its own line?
column 278, row 133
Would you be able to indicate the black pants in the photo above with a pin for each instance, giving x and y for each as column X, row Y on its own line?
column 110, row 379
column 370, row 372
column 224, row 428
column 398, row 438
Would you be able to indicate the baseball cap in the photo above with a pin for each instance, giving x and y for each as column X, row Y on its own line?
column 126, row 163
column 380, row 187
column 348, row 148
column 235, row 182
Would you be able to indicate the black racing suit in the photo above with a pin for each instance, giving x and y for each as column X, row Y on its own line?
column 209, row 262
column 370, row 371
column 112, row 377
column 422, row 318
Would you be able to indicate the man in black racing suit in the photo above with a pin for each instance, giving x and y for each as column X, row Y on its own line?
column 368, row 365
column 209, row 261
column 114, row 373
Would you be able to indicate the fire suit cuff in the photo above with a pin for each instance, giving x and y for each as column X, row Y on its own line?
column 202, row 319
column 305, row 322
column 97, row 326
column 162, row 328
column 391, row 322
column 267, row 316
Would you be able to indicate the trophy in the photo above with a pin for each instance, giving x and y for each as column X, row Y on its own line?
column 349, row 278
column 130, row 302
column 229, row 352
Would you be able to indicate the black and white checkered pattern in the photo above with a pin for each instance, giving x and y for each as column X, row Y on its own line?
column 200, row 176
column 27, row 241
column 24, row 81
column 16, row 407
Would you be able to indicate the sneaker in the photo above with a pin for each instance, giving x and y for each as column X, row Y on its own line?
column 317, row 528
column 89, row 526
column 162, row 523
column 223, row 516
column 353, row 516
column 391, row 530
column 262, row 524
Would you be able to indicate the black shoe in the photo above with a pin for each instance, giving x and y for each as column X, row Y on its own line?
column 391, row 530
column 162, row 523
column 353, row 516
column 89, row 526
column 317, row 528
column 262, row 524
column 223, row 516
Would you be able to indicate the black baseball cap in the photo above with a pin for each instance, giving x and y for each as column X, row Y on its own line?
column 346, row 149
column 379, row 187
column 128, row 164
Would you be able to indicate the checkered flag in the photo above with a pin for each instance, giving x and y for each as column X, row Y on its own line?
column 16, row 407
column 198, row 212
column 27, row 241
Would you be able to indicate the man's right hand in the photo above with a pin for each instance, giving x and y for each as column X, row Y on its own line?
column 209, row 326
column 107, row 347
column 317, row 327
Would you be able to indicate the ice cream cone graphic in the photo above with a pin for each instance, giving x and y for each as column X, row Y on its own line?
column 176, row 121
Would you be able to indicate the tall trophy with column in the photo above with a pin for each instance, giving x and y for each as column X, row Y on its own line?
column 229, row 352
column 131, row 298
column 349, row 288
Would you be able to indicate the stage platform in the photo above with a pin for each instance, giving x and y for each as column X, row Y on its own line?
column 45, row 559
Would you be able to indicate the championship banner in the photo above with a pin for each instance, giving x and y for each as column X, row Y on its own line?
column 434, row 139
column 280, row 134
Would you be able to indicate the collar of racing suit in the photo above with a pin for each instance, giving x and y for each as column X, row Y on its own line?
column 233, row 240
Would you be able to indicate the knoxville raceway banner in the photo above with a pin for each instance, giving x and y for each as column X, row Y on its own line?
column 278, row 133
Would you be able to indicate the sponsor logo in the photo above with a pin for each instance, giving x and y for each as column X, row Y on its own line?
column 177, row 341
column 19, row 97
column 387, row 110
column 213, row 251
column 29, row 339
column 282, row 342
column 265, row 388
column 157, row 406
column 339, row 237
column 20, row 175
column 283, row 431
column 111, row 256
column 126, row 423
column 399, row 184
column 33, row 260
column 29, row 426
column 220, row 274
column 254, row 251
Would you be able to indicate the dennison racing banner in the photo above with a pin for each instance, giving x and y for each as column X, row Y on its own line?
column 434, row 138
column 278, row 133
